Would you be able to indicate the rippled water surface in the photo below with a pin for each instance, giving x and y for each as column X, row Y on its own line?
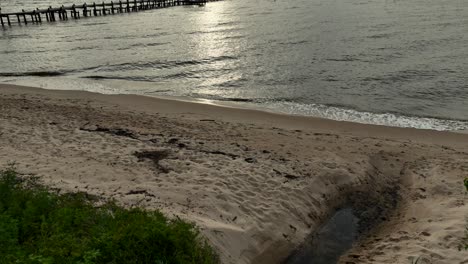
column 393, row 62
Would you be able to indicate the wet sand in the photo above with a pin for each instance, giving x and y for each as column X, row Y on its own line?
column 257, row 183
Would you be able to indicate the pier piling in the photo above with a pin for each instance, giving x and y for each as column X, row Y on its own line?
column 1, row 18
column 24, row 17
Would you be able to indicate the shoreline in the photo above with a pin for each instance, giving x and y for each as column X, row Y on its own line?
column 257, row 183
column 181, row 104
column 390, row 119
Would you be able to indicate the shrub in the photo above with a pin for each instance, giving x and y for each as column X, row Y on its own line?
column 43, row 227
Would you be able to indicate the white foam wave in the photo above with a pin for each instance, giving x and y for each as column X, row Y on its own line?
column 385, row 119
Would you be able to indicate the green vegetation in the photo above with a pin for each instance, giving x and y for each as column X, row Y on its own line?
column 465, row 240
column 39, row 226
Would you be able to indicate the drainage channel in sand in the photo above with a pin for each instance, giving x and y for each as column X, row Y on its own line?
column 360, row 211
column 330, row 242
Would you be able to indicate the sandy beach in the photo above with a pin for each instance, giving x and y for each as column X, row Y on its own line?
column 257, row 183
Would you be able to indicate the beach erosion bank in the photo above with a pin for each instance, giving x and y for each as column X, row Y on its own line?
column 257, row 183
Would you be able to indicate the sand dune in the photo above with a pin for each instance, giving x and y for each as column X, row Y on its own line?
column 257, row 183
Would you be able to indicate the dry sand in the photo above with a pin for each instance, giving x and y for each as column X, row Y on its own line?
column 257, row 183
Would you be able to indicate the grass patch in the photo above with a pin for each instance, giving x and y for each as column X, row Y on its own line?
column 41, row 227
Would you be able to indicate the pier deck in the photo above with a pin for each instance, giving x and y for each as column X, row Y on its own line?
column 53, row 14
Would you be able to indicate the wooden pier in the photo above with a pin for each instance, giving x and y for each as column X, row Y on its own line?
column 87, row 10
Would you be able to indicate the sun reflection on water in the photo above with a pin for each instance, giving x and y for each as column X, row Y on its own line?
column 216, row 45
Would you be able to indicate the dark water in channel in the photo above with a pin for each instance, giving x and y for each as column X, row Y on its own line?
column 392, row 62
column 330, row 242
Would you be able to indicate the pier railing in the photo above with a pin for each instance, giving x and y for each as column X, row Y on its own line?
column 51, row 14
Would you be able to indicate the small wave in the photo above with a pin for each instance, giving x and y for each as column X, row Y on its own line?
column 233, row 99
column 96, row 24
column 159, row 91
column 345, row 58
column 83, row 48
column 350, row 115
column 227, row 23
column 125, row 78
column 8, row 51
column 144, row 45
column 155, row 35
column 238, row 82
column 226, row 99
column 426, row 44
column 294, row 42
column 403, row 76
column 227, row 30
column 265, row 13
column 18, row 36
column 97, row 77
column 331, row 79
column 156, row 44
column 168, row 64
column 180, row 75
column 36, row 74
column 379, row 57
column 379, row 36
column 195, row 74
column 233, row 37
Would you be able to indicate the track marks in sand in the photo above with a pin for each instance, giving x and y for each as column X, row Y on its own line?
column 429, row 221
